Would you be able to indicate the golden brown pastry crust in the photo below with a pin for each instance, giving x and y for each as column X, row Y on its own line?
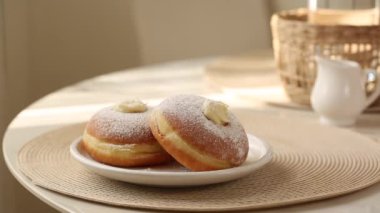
column 114, row 130
column 121, row 128
column 227, row 144
column 124, row 159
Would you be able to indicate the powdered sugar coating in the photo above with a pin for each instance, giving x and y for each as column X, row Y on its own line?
column 121, row 128
column 185, row 116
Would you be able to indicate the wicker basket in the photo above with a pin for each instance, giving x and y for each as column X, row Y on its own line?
column 296, row 41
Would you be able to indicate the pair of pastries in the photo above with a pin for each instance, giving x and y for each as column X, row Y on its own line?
column 199, row 133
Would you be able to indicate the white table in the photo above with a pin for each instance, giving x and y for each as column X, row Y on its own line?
column 78, row 102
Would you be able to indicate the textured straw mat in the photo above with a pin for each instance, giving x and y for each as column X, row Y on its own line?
column 311, row 162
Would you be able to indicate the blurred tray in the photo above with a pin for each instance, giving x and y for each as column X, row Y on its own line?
column 253, row 77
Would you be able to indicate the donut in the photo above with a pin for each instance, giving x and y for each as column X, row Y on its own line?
column 120, row 136
column 199, row 133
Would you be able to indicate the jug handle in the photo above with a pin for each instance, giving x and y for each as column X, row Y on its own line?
column 375, row 94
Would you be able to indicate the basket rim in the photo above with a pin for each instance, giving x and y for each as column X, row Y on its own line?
column 284, row 16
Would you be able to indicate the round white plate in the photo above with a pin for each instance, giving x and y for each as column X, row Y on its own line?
column 173, row 174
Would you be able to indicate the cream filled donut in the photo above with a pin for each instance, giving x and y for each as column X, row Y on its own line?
column 199, row 133
column 120, row 136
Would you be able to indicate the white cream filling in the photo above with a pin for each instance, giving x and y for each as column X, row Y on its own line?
column 124, row 149
column 216, row 111
column 131, row 106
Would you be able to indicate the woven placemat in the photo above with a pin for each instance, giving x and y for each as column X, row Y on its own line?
column 311, row 162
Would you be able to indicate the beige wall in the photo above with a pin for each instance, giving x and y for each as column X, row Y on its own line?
column 14, row 74
column 2, row 68
column 53, row 43
column 278, row 5
column 5, row 179
column 72, row 40
column 16, row 55
column 75, row 39
column 176, row 29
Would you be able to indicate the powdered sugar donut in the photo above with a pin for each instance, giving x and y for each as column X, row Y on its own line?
column 120, row 136
column 199, row 133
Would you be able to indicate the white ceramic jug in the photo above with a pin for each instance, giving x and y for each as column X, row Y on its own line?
column 339, row 94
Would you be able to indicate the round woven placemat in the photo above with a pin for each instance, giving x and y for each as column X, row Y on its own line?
column 311, row 162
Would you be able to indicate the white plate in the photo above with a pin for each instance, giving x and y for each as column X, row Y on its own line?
column 173, row 174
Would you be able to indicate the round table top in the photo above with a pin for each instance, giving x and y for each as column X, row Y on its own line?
column 76, row 103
